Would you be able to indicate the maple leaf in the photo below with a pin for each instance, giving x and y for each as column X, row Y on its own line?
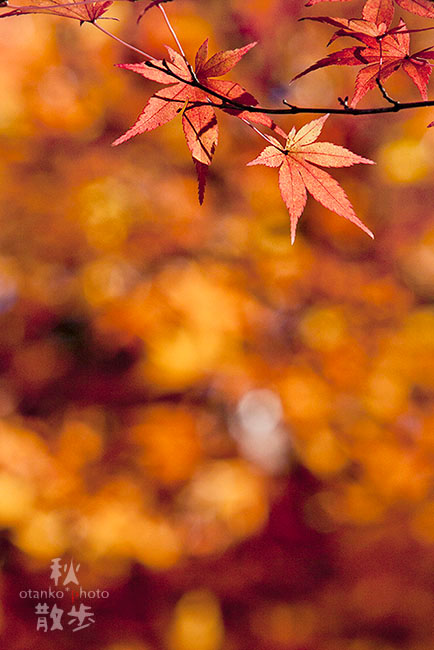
column 84, row 11
column 199, row 120
column 424, row 8
column 299, row 173
column 201, row 171
column 376, row 18
column 383, row 51
column 378, row 12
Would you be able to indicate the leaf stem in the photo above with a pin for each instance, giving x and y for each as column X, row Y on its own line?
column 122, row 42
column 265, row 137
column 172, row 31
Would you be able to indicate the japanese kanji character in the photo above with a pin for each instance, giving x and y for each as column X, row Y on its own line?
column 81, row 614
column 42, row 610
column 56, row 615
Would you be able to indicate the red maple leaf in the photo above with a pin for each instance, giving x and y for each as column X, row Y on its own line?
column 198, row 116
column 298, row 172
column 84, row 11
column 378, row 12
column 376, row 18
column 384, row 50
column 424, row 8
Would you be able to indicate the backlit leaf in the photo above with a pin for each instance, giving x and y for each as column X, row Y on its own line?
column 297, row 173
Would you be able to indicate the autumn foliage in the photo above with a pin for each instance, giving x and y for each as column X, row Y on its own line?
column 224, row 412
column 197, row 91
column 385, row 50
column 199, row 120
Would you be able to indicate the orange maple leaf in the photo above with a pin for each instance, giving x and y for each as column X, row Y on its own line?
column 298, row 172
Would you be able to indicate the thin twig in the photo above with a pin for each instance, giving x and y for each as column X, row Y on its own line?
column 385, row 94
column 344, row 102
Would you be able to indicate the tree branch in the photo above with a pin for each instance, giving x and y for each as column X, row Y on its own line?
column 227, row 103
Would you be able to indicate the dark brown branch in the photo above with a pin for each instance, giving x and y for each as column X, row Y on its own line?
column 227, row 103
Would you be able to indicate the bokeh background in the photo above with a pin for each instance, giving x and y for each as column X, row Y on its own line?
column 233, row 436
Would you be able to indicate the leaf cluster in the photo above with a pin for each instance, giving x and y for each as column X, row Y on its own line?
column 196, row 92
